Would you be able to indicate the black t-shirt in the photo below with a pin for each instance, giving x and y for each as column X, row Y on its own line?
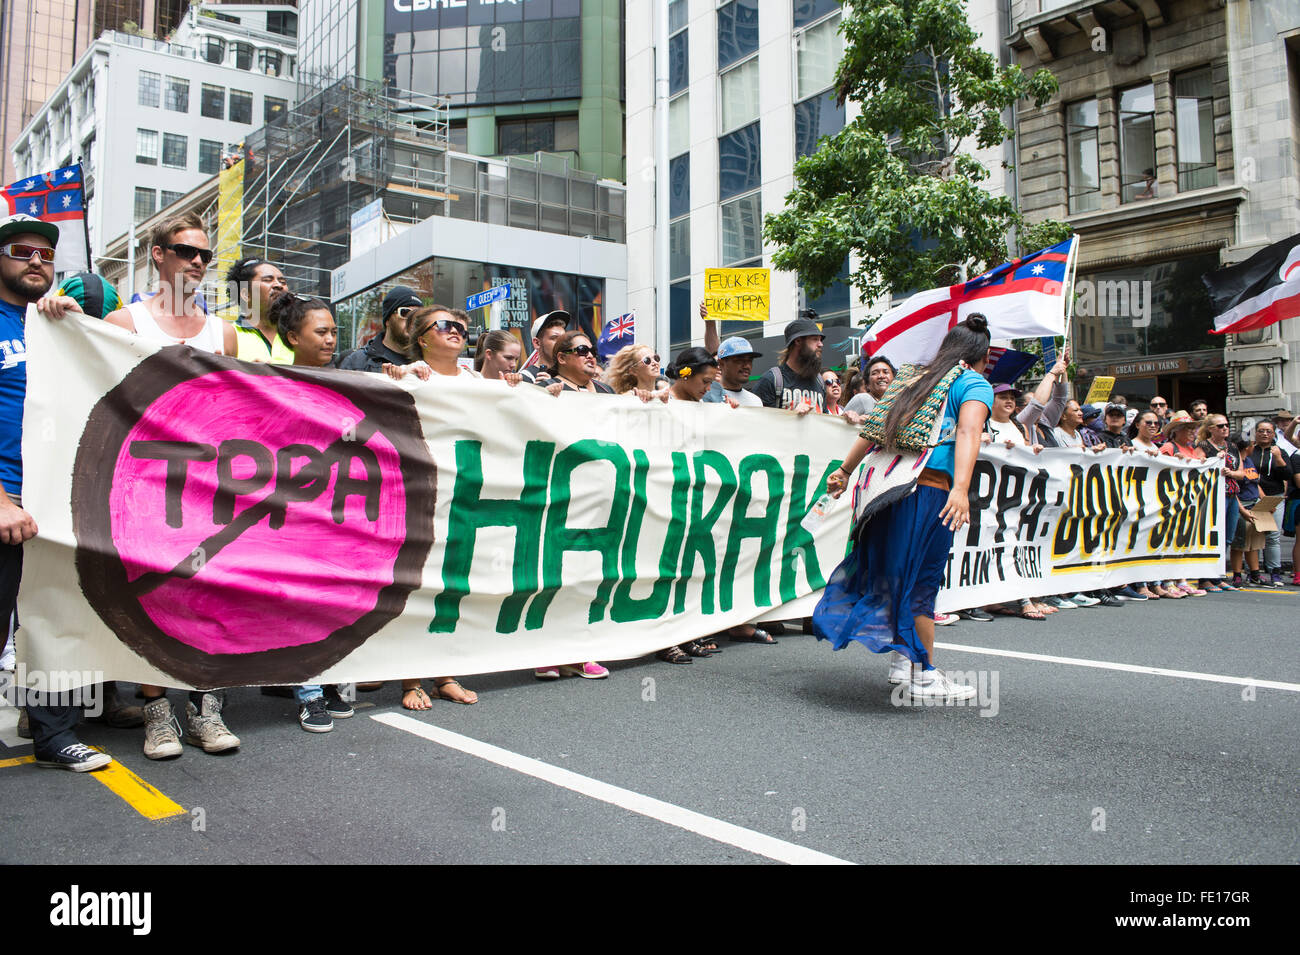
column 1274, row 478
column 1113, row 440
column 794, row 391
column 373, row 357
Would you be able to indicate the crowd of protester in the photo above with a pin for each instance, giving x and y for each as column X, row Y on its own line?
column 279, row 326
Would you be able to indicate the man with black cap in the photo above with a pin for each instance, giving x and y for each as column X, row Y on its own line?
column 796, row 383
column 26, row 274
column 547, row 330
column 1112, row 433
column 735, row 362
column 390, row 347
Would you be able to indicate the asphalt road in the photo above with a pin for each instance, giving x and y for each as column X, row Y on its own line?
column 761, row 754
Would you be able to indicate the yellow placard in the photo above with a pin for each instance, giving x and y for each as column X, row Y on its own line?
column 737, row 295
column 230, row 220
column 1100, row 390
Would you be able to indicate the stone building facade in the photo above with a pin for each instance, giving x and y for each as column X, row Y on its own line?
column 1140, row 151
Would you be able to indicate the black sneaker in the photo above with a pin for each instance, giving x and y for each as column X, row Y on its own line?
column 1109, row 600
column 313, row 717
column 335, row 705
column 77, row 757
column 976, row 613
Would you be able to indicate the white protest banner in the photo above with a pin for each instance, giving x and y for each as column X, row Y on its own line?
column 1065, row 521
column 208, row 522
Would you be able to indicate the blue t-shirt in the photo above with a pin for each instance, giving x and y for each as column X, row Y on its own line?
column 969, row 386
column 13, row 389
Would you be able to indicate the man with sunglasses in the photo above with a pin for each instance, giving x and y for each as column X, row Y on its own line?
column 26, row 273
column 391, row 347
column 181, row 254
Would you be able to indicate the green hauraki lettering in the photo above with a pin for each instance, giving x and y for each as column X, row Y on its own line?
column 798, row 546
column 625, row 607
column 764, row 528
column 561, row 538
column 699, row 535
column 470, row 512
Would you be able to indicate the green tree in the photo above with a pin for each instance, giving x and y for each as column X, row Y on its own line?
column 895, row 186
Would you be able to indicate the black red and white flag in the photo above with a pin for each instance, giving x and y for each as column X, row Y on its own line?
column 1258, row 292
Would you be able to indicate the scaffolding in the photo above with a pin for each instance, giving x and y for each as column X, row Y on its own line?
column 340, row 148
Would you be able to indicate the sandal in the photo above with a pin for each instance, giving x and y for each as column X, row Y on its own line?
column 694, row 649
column 422, row 701
column 1029, row 611
column 453, row 697
column 673, row 655
column 758, row 636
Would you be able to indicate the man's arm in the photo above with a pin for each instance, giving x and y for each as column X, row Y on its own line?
column 16, row 525
column 710, row 331
column 121, row 318
column 230, row 340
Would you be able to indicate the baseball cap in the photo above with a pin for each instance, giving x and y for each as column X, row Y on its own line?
column 400, row 297
column 802, row 328
column 20, row 224
column 1113, row 408
column 1090, row 411
column 95, row 295
column 559, row 316
column 1004, row 388
column 737, row 347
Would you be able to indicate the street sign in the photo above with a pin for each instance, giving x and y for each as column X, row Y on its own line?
column 487, row 297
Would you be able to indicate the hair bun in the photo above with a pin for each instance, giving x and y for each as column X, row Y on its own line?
column 977, row 323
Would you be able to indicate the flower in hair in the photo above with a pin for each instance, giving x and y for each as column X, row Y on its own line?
column 684, row 373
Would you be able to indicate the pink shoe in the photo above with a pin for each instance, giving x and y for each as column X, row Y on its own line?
column 588, row 671
column 1191, row 591
column 547, row 673
column 945, row 619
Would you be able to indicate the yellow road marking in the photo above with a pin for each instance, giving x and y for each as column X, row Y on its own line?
column 135, row 792
column 1279, row 592
column 5, row 763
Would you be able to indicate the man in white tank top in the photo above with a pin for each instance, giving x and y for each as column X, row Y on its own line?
column 181, row 253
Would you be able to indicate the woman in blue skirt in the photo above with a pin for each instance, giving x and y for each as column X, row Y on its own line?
column 883, row 594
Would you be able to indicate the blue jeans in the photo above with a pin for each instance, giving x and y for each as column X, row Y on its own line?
column 309, row 692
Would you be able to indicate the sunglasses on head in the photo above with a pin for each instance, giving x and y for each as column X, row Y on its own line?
column 651, row 359
column 187, row 252
column 17, row 250
column 446, row 326
column 580, row 350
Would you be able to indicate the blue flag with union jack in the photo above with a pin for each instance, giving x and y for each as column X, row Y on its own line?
column 58, row 197
column 617, row 333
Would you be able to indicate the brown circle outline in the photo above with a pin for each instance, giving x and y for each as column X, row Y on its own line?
column 103, row 576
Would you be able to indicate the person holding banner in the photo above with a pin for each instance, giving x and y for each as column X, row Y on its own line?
column 497, row 355
column 1182, row 444
column 635, row 368
column 258, row 284
column 883, row 594
column 392, row 347
column 1274, row 479
column 1213, row 440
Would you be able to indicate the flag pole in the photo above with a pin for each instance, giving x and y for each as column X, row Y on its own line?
column 1067, row 304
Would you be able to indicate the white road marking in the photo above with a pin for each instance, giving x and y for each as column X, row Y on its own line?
column 1128, row 667
column 707, row 826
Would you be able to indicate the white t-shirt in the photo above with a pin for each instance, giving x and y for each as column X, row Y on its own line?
column 1065, row 441
column 1006, row 431
column 746, row 399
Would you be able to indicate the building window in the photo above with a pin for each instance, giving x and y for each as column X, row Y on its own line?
column 268, row 61
column 739, row 167
column 282, row 24
column 1194, row 116
column 808, row 11
column 737, row 31
column 742, row 229
column 526, row 135
column 739, row 93
column 1081, row 149
column 679, row 247
column 679, row 314
column 273, row 108
column 678, row 62
column 149, row 91
column 818, row 51
column 458, row 136
column 814, row 118
column 145, row 200
column 209, row 157
column 213, row 49
column 1137, row 144
column 175, row 151
column 166, row 198
column 241, row 106
column 679, row 124
column 177, row 96
column 146, row 147
column 212, row 102
column 243, row 54
column 679, row 186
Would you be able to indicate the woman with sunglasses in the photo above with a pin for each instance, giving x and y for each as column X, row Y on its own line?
column 254, row 285
column 437, row 336
column 1213, row 440
column 634, row 368
column 1143, row 435
column 1182, row 444
column 834, row 389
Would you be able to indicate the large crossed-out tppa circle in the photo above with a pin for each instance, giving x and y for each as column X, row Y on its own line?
column 250, row 524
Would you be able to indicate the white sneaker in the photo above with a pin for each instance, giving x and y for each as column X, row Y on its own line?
column 934, row 685
column 945, row 619
column 900, row 670
column 162, row 734
column 1083, row 600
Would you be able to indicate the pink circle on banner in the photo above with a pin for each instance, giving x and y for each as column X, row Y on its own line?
column 268, row 588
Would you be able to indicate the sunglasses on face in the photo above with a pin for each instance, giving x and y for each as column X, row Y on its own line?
column 582, row 351
column 651, row 359
column 187, row 252
column 17, row 250
column 446, row 326
column 831, row 381
column 405, row 310
column 1158, row 404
